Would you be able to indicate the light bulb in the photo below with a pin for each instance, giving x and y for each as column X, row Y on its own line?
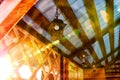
column 56, row 27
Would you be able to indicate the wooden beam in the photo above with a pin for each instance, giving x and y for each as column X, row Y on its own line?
column 39, row 18
column 91, row 10
column 110, row 12
column 30, row 30
column 61, row 67
column 11, row 19
column 111, row 26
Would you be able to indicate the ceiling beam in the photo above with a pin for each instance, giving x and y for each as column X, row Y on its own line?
column 111, row 26
column 30, row 30
column 91, row 10
column 65, row 8
column 110, row 12
column 11, row 12
column 38, row 18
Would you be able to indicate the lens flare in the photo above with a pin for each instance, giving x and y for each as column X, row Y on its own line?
column 5, row 68
column 25, row 72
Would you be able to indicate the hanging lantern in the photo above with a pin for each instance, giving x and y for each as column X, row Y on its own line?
column 56, row 28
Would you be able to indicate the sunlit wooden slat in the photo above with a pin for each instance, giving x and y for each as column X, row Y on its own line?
column 15, row 15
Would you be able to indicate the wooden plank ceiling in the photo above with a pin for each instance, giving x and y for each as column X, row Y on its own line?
column 96, row 45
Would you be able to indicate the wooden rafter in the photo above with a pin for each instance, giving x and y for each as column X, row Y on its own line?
column 91, row 10
column 110, row 11
column 30, row 30
column 15, row 15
